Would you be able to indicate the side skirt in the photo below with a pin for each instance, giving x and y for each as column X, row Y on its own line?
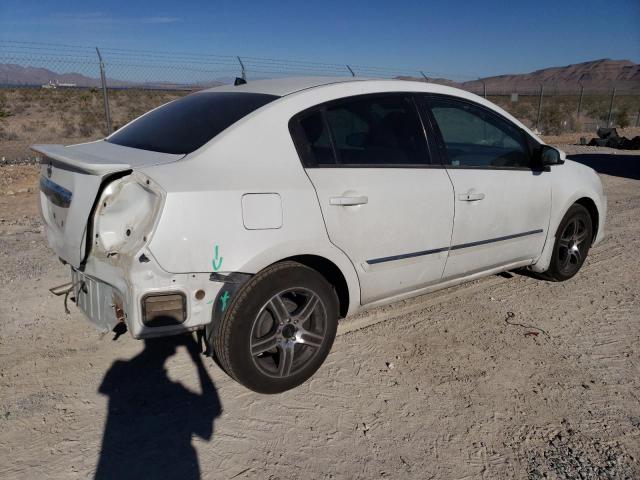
column 446, row 284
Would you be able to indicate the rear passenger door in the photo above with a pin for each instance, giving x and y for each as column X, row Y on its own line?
column 384, row 202
column 502, row 201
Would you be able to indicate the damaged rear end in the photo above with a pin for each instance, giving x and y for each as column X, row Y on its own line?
column 100, row 211
column 99, row 214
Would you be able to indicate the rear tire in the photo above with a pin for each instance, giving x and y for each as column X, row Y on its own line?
column 278, row 329
column 573, row 240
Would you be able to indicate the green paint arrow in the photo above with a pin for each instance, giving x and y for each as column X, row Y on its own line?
column 216, row 263
column 224, row 299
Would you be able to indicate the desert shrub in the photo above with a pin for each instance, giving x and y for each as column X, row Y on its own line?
column 6, row 134
column 523, row 111
column 552, row 119
column 4, row 108
column 89, row 122
column 29, row 127
column 574, row 124
column 622, row 116
column 68, row 127
column 85, row 100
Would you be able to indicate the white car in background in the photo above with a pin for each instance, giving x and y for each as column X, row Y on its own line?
column 260, row 214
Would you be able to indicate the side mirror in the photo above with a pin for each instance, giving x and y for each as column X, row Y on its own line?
column 550, row 156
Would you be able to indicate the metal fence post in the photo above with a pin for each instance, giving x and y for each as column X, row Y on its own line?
column 540, row 106
column 244, row 72
column 580, row 100
column 103, row 80
column 613, row 95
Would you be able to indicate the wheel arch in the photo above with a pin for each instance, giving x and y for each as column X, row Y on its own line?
column 323, row 257
column 585, row 200
column 591, row 207
column 331, row 272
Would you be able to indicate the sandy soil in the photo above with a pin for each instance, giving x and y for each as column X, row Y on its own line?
column 450, row 385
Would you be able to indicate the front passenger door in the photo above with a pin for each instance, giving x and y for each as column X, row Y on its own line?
column 502, row 203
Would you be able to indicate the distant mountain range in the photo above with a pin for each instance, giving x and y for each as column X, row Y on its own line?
column 13, row 74
column 598, row 75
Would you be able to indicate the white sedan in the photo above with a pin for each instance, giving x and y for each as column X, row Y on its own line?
column 260, row 214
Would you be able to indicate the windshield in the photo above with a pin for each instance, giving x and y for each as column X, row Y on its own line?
column 184, row 125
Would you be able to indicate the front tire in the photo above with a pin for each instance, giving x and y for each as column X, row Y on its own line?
column 573, row 240
column 278, row 329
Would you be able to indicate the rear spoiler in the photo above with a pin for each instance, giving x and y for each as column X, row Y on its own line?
column 79, row 159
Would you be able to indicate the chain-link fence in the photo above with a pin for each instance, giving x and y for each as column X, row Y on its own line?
column 91, row 91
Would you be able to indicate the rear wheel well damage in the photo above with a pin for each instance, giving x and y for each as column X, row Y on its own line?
column 590, row 205
column 331, row 273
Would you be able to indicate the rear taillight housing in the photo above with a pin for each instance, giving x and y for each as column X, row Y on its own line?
column 164, row 309
column 125, row 215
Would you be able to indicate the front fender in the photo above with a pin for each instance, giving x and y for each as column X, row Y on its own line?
column 569, row 183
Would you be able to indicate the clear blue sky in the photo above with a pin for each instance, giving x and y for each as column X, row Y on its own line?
column 481, row 37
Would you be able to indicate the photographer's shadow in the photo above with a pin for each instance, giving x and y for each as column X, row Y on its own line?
column 151, row 419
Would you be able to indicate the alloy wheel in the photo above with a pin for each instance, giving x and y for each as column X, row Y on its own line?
column 572, row 245
column 288, row 332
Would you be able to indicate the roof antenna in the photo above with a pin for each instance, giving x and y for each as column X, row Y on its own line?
column 425, row 77
column 352, row 74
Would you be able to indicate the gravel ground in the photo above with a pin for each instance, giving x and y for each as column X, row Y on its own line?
column 447, row 385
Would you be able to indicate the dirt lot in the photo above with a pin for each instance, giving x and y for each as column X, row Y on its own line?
column 441, row 386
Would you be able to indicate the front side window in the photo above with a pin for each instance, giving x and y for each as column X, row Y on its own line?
column 184, row 125
column 380, row 130
column 473, row 137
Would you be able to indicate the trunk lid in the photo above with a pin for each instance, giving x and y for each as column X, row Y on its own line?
column 71, row 178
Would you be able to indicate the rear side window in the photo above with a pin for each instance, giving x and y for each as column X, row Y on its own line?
column 184, row 125
column 474, row 137
column 316, row 144
column 373, row 130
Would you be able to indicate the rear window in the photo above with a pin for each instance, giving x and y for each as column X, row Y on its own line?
column 184, row 125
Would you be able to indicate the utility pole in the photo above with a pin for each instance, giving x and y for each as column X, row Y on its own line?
column 105, row 98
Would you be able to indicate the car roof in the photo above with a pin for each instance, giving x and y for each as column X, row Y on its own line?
column 289, row 85
column 283, row 86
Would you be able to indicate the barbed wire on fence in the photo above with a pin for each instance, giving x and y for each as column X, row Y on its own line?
column 61, row 65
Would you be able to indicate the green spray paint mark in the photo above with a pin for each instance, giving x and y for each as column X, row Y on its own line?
column 216, row 263
column 209, row 302
column 224, row 299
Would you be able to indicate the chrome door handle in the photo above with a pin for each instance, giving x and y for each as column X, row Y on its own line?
column 470, row 197
column 348, row 201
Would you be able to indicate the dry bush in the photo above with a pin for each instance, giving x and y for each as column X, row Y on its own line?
column 68, row 127
column 6, row 134
column 4, row 109
column 622, row 116
column 552, row 119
